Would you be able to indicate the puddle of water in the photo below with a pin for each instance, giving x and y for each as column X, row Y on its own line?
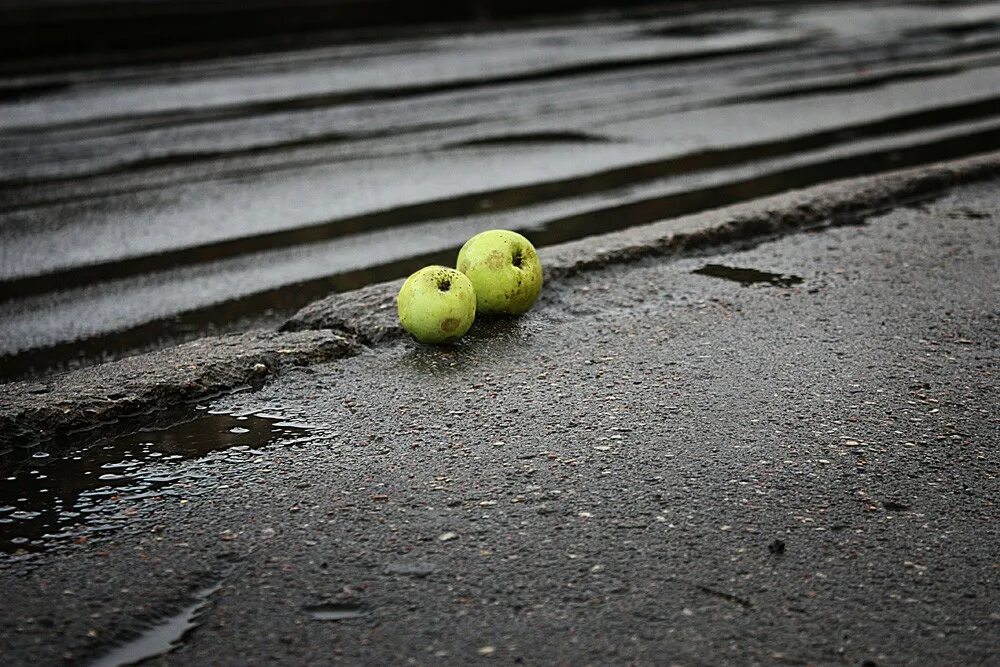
column 747, row 276
column 332, row 611
column 49, row 500
column 163, row 637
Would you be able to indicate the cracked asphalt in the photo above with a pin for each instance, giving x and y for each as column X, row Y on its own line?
column 652, row 467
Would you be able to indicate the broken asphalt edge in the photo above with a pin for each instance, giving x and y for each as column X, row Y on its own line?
column 34, row 412
column 340, row 325
column 369, row 314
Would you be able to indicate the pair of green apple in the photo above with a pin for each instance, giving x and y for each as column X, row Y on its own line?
column 498, row 273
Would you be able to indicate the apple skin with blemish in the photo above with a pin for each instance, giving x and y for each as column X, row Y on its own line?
column 504, row 269
column 436, row 305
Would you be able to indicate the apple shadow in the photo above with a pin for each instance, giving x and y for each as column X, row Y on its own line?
column 489, row 338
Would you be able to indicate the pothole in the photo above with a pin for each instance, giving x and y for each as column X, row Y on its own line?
column 748, row 276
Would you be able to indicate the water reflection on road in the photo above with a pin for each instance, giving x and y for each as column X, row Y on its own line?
column 159, row 201
column 51, row 500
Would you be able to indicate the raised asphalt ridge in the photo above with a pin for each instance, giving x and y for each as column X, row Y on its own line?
column 342, row 324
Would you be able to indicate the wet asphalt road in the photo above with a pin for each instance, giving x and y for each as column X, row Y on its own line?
column 147, row 202
column 654, row 467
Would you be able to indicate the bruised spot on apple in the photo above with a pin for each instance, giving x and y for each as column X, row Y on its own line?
column 436, row 304
column 495, row 260
column 504, row 270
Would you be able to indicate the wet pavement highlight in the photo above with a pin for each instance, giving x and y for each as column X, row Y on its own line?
column 163, row 637
column 335, row 611
column 581, row 126
column 49, row 500
column 747, row 276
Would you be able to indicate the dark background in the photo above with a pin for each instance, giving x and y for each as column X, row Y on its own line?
column 30, row 29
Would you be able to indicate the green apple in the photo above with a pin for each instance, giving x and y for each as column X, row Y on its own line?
column 436, row 304
column 504, row 269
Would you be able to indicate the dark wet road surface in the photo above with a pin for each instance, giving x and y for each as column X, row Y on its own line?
column 654, row 466
column 154, row 202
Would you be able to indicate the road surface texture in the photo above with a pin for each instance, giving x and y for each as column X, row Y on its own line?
column 779, row 453
column 128, row 391
column 193, row 192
